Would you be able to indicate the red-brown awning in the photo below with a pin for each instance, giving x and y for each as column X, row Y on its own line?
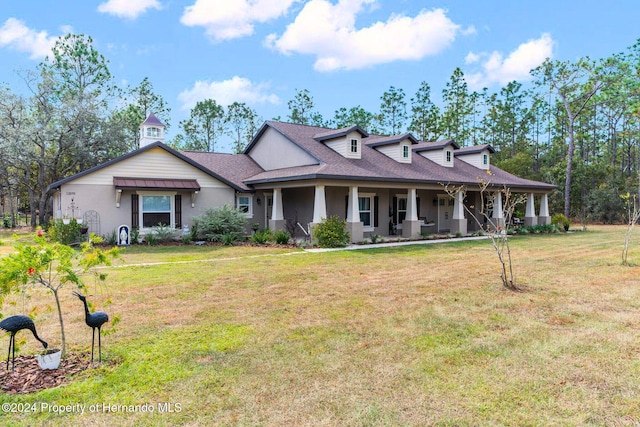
column 155, row 184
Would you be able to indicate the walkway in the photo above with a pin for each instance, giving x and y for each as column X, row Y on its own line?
column 403, row 243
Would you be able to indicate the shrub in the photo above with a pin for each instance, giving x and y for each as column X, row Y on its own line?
column 282, row 237
column 561, row 221
column 135, row 234
column 65, row 234
column 331, row 233
column 224, row 224
column 261, row 237
column 163, row 233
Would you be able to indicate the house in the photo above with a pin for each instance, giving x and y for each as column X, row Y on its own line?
column 292, row 176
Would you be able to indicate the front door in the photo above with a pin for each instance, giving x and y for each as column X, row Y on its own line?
column 445, row 212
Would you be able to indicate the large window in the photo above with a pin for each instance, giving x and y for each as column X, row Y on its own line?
column 156, row 209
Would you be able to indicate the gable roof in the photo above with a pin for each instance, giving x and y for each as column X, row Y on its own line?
column 436, row 145
column 375, row 166
column 337, row 133
column 377, row 141
column 139, row 151
column 474, row 149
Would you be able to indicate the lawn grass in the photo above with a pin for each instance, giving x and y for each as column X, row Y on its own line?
column 413, row 335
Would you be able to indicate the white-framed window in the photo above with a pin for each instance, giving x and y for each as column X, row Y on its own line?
column 366, row 207
column 156, row 208
column 485, row 159
column 405, row 151
column 153, row 132
column 448, row 156
column 244, row 203
column 353, row 146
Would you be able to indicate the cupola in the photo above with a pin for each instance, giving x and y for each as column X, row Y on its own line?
column 151, row 130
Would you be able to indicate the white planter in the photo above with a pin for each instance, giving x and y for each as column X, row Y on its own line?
column 50, row 360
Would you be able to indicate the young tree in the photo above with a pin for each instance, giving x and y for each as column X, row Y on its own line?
column 633, row 215
column 393, row 111
column 484, row 216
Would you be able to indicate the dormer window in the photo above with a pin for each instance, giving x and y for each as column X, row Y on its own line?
column 485, row 159
column 405, row 151
column 448, row 156
column 354, row 146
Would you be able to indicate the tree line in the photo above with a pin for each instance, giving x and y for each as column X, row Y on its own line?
column 576, row 126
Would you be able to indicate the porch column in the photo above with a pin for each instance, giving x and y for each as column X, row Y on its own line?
column 458, row 222
column 319, row 205
column 354, row 226
column 530, row 217
column 544, row 217
column 411, row 225
column 498, row 214
column 277, row 221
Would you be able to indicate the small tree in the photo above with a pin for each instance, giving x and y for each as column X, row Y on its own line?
column 52, row 265
column 496, row 232
column 633, row 215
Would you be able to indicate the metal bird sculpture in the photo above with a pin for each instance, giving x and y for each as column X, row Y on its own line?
column 95, row 320
column 13, row 324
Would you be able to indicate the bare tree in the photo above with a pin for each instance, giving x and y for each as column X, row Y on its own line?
column 493, row 225
column 633, row 215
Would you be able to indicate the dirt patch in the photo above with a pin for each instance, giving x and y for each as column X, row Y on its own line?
column 27, row 377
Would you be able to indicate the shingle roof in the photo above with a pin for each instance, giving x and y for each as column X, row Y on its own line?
column 236, row 168
column 474, row 149
column 153, row 120
column 375, row 166
column 436, row 145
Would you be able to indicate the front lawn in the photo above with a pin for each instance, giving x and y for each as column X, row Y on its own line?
column 412, row 335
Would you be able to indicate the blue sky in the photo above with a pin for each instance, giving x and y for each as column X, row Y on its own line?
column 345, row 52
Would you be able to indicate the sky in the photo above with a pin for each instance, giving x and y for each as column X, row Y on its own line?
column 346, row 53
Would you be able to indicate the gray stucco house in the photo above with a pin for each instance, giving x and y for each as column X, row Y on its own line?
column 293, row 174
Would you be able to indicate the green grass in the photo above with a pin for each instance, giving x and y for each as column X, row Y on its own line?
column 413, row 335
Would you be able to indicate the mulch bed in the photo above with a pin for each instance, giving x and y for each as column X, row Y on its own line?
column 27, row 377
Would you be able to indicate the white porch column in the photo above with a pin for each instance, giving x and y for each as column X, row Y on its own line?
column 411, row 225
column 277, row 216
column 530, row 211
column 354, row 226
column 498, row 213
column 319, row 205
column 458, row 222
column 544, row 217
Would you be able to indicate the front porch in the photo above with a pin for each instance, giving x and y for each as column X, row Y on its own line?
column 388, row 212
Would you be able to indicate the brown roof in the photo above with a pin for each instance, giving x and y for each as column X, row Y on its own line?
column 375, row 166
column 236, row 168
column 155, row 183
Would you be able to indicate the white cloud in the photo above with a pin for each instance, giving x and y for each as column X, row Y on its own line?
column 328, row 31
column 225, row 19
column 16, row 35
column 129, row 9
column 517, row 66
column 236, row 89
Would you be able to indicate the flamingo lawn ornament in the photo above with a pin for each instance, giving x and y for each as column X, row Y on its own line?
column 95, row 320
column 14, row 324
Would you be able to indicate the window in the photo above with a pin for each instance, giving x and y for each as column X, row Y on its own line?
column 243, row 202
column 405, row 151
column 354, row 145
column 156, row 210
column 402, row 209
column 365, row 204
column 448, row 156
column 153, row 132
column 485, row 159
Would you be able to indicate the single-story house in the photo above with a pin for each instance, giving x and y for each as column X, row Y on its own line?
column 291, row 176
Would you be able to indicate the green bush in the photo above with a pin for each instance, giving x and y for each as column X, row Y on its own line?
column 282, row 237
column 261, row 237
column 561, row 221
column 65, row 233
column 331, row 233
column 163, row 233
column 224, row 224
